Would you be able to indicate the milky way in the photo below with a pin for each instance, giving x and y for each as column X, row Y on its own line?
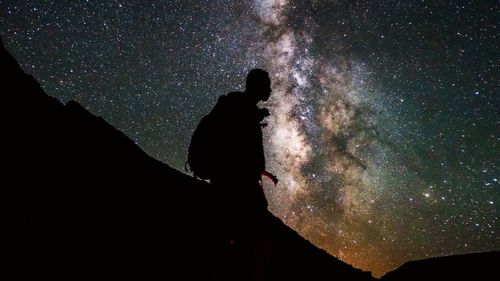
column 384, row 127
column 323, row 140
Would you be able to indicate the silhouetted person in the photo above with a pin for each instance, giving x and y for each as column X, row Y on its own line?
column 227, row 148
column 238, row 169
column 240, row 161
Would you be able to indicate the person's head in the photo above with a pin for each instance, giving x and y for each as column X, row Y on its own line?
column 258, row 84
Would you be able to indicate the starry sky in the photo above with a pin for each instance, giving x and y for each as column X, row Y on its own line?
column 385, row 127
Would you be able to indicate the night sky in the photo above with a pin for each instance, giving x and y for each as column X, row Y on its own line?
column 385, row 131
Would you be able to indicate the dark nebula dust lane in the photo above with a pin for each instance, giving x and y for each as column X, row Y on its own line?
column 385, row 114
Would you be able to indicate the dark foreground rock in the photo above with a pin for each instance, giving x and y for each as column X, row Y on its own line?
column 479, row 266
column 83, row 201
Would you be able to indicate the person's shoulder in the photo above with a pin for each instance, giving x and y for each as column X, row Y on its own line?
column 227, row 102
column 232, row 97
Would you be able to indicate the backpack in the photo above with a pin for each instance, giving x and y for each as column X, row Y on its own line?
column 207, row 139
column 202, row 148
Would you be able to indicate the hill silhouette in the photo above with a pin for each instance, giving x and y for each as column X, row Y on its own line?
column 478, row 266
column 84, row 201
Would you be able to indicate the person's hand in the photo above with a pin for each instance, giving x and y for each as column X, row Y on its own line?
column 270, row 176
column 263, row 113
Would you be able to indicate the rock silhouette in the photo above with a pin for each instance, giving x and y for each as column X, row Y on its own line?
column 85, row 202
column 479, row 266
